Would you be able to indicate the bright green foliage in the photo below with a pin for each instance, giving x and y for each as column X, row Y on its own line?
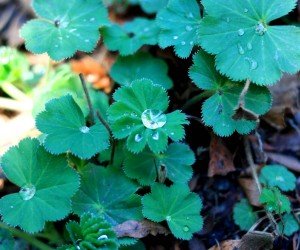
column 245, row 45
column 6, row 240
column 275, row 201
column 91, row 233
column 176, row 162
column 63, row 27
column 289, row 225
column 243, row 215
column 179, row 23
column 138, row 115
column 64, row 124
column 217, row 111
column 176, row 205
column 278, row 176
column 47, row 183
column 152, row 6
column 106, row 192
column 141, row 65
column 130, row 37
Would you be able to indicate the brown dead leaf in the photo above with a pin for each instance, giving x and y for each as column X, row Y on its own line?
column 221, row 159
column 94, row 72
column 139, row 229
column 256, row 240
column 286, row 142
column 251, row 190
column 226, row 245
column 286, row 160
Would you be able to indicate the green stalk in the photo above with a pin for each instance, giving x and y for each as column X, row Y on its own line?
column 14, row 92
column 27, row 237
column 196, row 99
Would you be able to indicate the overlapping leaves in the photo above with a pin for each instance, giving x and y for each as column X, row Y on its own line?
column 63, row 27
column 138, row 66
column 218, row 110
column 138, row 115
column 106, row 192
column 174, row 164
column 47, row 184
column 243, row 215
column 130, row 37
column 91, row 232
column 179, row 23
column 65, row 128
column 176, row 205
column 246, row 46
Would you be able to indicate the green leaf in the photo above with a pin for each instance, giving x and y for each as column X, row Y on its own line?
column 64, row 124
column 246, row 46
column 217, row 111
column 177, row 205
column 278, row 176
column 119, row 154
column 179, row 23
column 47, row 183
column 138, row 115
column 130, row 37
column 63, row 27
column 141, row 65
column 275, row 201
column 6, row 240
column 289, row 225
column 175, row 162
column 106, row 192
column 153, row 6
column 92, row 233
column 243, row 215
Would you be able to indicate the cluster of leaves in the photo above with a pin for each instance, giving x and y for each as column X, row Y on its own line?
column 136, row 130
column 275, row 179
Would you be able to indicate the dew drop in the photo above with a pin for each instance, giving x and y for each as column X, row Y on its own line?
column 172, row 133
column 92, row 19
column 146, row 29
column 252, row 63
column 249, row 46
column 87, row 40
column 138, row 138
column 27, row 192
column 155, row 136
column 128, row 127
column 276, row 57
column 188, row 28
column 103, row 237
column 72, row 30
column 67, row 36
column 240, row 49
column 175, row 37
column 84, row 129
column 241, row 32
column 191, row 43
column 246, row 10
column 279, row 178
column 153, row 119
column 56, row 45
column 187, row 218
column 60, row 38
column 11, row 206
column 168, row 218
column 186, row 229
column 190, row 15
column 183, row 43
column 227, row 19
column 133, row 114
column 260, row 29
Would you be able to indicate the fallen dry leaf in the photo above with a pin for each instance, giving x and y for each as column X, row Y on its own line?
column 286, row 142
column 221, row 159
column 251, row 190
column 289, row 161
column 139, row 229
column 256, row 240
column 226, row 245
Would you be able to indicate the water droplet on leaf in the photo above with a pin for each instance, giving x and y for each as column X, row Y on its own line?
column 153, row 119
column 249, row 46
column 168, row 218
column 27, row 192
column 240, row 49
column 189, row 28
column 103, row 237
column 175, row 37
column 260, row 29
column 183, row 43
column 84, row 129
column 241, row 32
column 138, row 138
column 92, row 19
column 252, row 63
column 155, row 136
column 186, row 229
column 246, row 10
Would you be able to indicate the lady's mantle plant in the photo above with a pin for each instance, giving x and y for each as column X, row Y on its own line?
column 140, row 132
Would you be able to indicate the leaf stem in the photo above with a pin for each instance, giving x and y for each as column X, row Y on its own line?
column 256, row 179
column 14, row 92
column 244, row 93
column 88, row 98
column 29, row 238
column 13, row 105
column 196, row 99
